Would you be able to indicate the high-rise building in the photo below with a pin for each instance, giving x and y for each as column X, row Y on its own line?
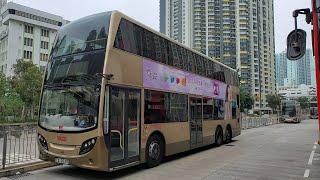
column 292, row 74
column 209, row 26
column 26, row 33
column 304, row 68
column 281, row 68
column 238, row 33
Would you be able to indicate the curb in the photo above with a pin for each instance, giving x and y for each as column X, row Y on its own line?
column 25, row 168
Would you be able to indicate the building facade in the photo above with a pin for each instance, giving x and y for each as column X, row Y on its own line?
column 297, row 91
column 304, row 68
column 238, row 33
column 294, row 73
column 281, row 68
column 27, row 34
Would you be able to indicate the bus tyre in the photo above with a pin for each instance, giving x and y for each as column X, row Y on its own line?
column 218, row 137
column 228, row 134
column 154, row 151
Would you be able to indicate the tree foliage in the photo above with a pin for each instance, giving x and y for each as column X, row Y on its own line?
column 246, row 100
column 20, row 94
column 273, row 101
column 304, row 102
column 10, row 101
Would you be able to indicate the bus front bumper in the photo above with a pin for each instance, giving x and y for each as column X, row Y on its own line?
column 94, row 160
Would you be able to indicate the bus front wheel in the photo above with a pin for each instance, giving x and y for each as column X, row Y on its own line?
column 154, row 151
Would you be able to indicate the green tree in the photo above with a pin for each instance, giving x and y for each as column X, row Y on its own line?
column 10, row 102
column 246, row 100
column 27, row 83
column 304, row 102
column 273, row 101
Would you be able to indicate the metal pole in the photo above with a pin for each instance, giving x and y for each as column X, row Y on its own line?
column 4, row 152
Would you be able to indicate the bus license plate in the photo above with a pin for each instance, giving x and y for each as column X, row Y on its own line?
column 62, row 161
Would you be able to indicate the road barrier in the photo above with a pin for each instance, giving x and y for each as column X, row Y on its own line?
column 254, row 122
column 18, row 144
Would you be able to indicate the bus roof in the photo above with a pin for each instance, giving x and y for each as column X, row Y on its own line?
column 168, row 38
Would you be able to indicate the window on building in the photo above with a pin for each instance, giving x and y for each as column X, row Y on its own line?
column 162, row 107
column 28, row 42
column 44, row 57
column 44, row 32
column 27, row 54
column 44, row 45
column 28, row 29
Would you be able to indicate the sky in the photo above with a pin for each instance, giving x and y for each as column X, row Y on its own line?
column 147, row 12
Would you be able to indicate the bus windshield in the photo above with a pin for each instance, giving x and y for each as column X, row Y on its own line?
column 86, row 34
column 289, row 111
column 73, row 108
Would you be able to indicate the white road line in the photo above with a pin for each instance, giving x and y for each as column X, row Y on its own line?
column 306, row 173
column 311, row 158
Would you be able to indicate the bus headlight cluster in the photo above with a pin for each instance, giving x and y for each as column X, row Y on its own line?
column 87, row 145
column 43, row 141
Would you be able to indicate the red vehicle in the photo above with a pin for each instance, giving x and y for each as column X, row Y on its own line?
column 296, row 42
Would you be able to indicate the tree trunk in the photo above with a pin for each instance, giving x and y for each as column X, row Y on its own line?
column 32, row 112
column 23, row 112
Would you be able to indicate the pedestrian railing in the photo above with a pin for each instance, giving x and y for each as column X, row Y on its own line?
column 254, row 122
column 18, row 144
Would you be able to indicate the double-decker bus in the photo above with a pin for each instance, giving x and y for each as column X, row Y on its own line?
column 117, row 93
column 291, row 111
column 313, row 110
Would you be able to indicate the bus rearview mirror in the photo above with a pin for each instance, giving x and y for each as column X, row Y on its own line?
column 296, row 44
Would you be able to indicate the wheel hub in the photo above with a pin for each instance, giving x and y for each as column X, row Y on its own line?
column 154, row 150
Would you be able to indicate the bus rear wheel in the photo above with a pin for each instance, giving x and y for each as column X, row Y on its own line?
column 218, row 137
column 154, row 151
column 228, row 134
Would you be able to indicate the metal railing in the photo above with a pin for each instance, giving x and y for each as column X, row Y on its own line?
column 254, row 122
column 18, row 144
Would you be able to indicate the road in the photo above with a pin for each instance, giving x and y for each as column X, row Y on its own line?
column 283, row 151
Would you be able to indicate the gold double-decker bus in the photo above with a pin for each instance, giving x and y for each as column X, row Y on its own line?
column 117, row 93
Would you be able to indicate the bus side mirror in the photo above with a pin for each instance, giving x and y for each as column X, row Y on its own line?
column 296, row 44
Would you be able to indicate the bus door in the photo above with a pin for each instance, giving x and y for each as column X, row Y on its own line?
column 195, row 109
column 124, row 124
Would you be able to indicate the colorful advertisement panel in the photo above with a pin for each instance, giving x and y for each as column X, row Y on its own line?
column 159, row 76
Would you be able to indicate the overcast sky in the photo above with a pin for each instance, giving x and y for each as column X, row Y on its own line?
column 147, row 11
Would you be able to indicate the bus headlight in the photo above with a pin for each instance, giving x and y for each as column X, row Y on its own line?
column 87, row 145
column 43, row 141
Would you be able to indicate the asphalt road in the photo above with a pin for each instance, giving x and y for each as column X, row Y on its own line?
column 283, row 151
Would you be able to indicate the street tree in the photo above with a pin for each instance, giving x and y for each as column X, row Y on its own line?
column 246, row 100
column 304, row 102
column 273, row 101
column 10, row 102
column 27, row 83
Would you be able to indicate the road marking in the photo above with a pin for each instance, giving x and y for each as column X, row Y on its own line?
column 306, row 173
column 314, row 147
column 311, row 158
